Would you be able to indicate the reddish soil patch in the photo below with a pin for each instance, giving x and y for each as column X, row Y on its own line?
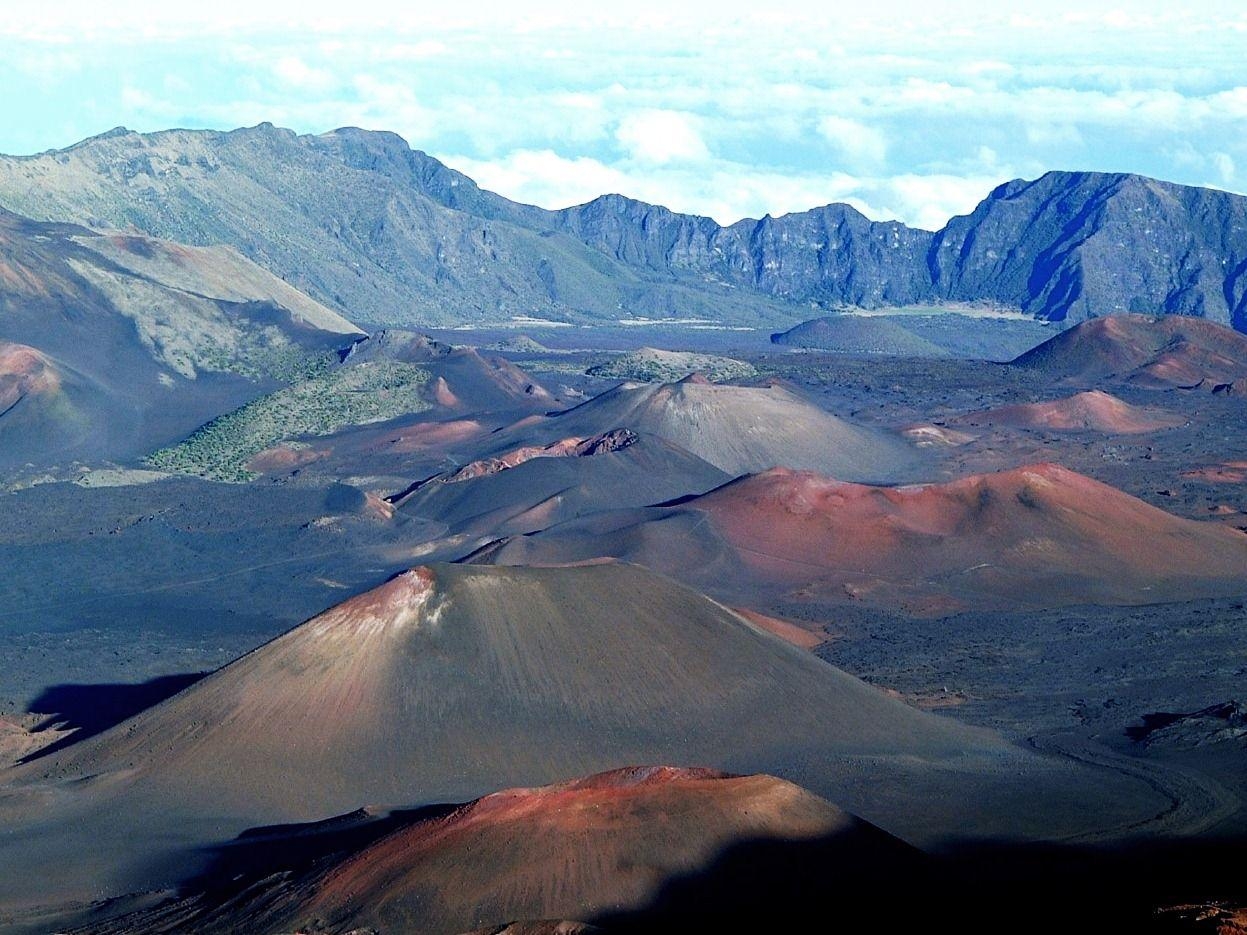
column 1227, row 472
column 284, row 458
column 788, row 632
column 1160, row 352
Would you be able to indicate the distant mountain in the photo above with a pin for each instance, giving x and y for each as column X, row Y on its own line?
column 829, row 256
column 357, row 219
column 391, row 236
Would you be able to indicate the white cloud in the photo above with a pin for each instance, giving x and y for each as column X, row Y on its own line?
column 298, row 74
column 658, row 137
column 717, row 107
column 860, row 145
column 1224, row 164
column 928, row 201
column 728, row 191
column 1053, row 134
column 1217, row 169
column 390, row 105
column 544, row 178
column 133, row 98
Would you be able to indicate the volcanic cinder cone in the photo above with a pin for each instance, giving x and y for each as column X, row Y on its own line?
column 662, row 844
column 450, row 681
column 742, row 428
column 535, row 486
column 1035, row 536
column 1094, row 411
column 1159, row 352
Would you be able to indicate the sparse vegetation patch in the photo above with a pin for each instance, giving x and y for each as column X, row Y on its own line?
column 367, row 392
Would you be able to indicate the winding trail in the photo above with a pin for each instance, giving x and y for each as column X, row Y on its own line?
column 1197, row 803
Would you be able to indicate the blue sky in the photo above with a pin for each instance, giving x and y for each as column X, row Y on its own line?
column 907, row 110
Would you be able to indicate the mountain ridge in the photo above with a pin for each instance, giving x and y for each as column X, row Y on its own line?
column 391, row 235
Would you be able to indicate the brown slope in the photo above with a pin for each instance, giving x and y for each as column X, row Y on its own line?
column 555, row 689
column 193, row 309
column 1035, row 536
column 612, row 843
column 739, row 428
column 450, row 681
column 1154, row 352
column 215, row 272
column 1094, row 410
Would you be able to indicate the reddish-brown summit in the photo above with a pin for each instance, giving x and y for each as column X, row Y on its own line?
column 1094, row 411
column 1039, row 535
column 25, row 372
column 1156, row 352
column 1036, row 536
column 607, row 845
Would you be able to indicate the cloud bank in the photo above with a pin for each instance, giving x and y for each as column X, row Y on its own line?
column 908, row 110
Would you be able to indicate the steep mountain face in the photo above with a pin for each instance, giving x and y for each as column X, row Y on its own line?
column 1080, row 245
column 391, row 236
column 829, row 256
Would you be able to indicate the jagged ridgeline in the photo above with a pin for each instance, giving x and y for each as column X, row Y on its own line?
column 389, row 235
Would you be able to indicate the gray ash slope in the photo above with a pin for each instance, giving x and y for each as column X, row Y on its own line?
column 552, row 484
column 131, row 341
column 356, row 218
column 737, row 429
column 364, row 223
